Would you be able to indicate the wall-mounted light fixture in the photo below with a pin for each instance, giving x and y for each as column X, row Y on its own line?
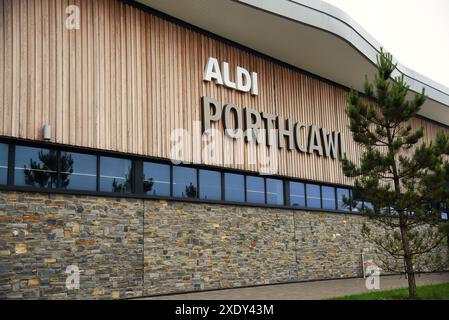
column 47, row 132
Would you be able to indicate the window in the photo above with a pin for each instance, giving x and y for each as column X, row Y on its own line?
column 54, row 168
column 297, row 194
column 275, row 191
column 3, row 163
column 358, row 202
column 368, row 205
column 342, row 193
column 313, row 196
column 36, row 167
column 328, row 196
column 184, row 182
column 78, row 171
column 444, row 215
column 210, row 185
column 156, row 179
column 234, row 187
column 255, row 189
column 115, row 175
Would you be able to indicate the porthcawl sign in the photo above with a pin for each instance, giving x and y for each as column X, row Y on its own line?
column 262, row 127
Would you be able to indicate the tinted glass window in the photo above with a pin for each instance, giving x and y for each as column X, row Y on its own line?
column 3, row 163
column 184, row 182
column 275, row 191
column 78, row 171
column 328, row 195
column 313, row 196
column 234, row 187
column 368, row 205
column 341, row 192
column 210, row 185
column 297, row 194
column 156, row 179
column 35, row 167
column 115, row 175
column 358, row 201
column 255, row 189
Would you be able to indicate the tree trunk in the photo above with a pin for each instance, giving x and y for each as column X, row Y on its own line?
column 411, row 283
column 409, row 269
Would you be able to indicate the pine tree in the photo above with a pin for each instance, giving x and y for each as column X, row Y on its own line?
column 403, row 181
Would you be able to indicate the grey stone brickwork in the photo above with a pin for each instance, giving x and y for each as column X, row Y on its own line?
column 129, row 247
column 40, row 235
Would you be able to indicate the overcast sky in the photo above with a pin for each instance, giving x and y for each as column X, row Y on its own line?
column 416, row 32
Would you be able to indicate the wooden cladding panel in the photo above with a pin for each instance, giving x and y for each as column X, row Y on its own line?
column 127, row 79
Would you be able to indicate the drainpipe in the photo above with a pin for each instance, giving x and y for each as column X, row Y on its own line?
column 362, row 256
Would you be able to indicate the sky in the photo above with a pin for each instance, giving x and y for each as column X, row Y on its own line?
column 416, row 32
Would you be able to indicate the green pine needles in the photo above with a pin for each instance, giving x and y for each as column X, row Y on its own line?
column 403, row 180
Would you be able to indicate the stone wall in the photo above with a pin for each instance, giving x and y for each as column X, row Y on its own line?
column 40, row 235
column 130, row 247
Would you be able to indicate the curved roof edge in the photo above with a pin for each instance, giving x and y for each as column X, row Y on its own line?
column 325, row 16
column 311, row 35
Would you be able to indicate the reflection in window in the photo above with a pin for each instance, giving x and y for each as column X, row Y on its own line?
column 275, row 191
column 210, row 185
column 358, row 202
column 342, row 193
column 115, row 175
column 368, row 205
column 36, row 167
column 255, row 189
column 184, row 182
column 3, row 163
column 444, row 215
column 78, row 171
column 297, row 194
column 328, row 195
column 234, row 187
column 156, row 179
column 313, row 196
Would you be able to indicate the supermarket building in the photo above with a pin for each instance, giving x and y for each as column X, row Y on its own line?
column 98, row 97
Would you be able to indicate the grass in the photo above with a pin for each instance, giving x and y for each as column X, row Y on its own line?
column 429, row 292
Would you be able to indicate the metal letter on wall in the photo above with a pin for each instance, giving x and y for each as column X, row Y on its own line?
column 213, row 71
column 330, row 142
column 298, row 137
column 209, row 117
column 252, row 124
column 285, row 133
column 237, row 132
column 269, row 119
column 315, row 140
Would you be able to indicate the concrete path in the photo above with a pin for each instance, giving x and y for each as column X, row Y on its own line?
column 314, row 290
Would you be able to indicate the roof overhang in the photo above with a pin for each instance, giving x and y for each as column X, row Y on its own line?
column 308, row 34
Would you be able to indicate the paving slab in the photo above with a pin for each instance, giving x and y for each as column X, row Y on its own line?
column 313, row 290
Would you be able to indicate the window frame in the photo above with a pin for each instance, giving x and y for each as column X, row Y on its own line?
column 196, row 181
column 60, row 172
column 264, row 183
column 140, row 180
column 199, row 183
column 289, row 182
column 281, row 181
column 334, row 191
column 320, row 196
column 132, row 171
column 8, row 164
column 137, row 162
column 12, row 169
column 224, row 187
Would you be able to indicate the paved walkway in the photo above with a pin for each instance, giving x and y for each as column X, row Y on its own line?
column 314, row 290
